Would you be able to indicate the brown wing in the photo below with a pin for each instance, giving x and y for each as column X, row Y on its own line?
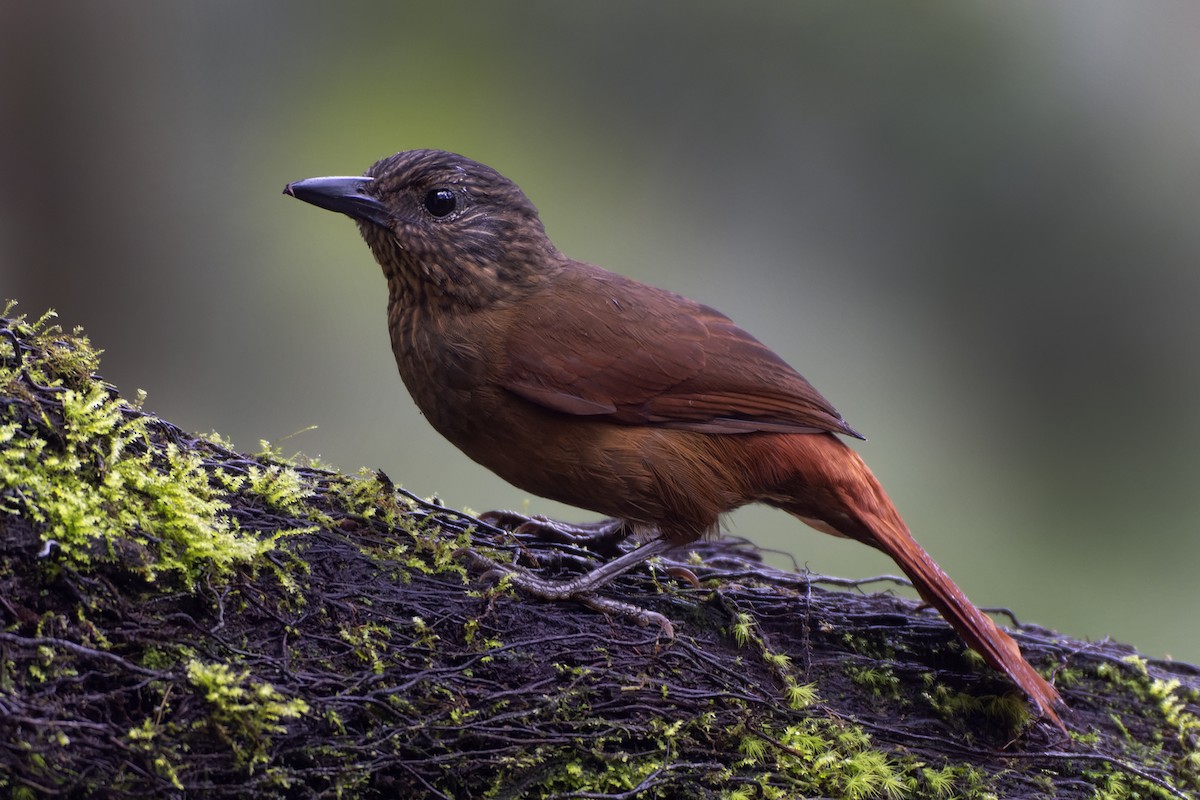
column 644, row 356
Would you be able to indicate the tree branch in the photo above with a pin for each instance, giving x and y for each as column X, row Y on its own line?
column 180, row 618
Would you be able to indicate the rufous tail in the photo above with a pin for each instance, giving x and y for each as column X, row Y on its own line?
column 866, row 515
column 976, row 628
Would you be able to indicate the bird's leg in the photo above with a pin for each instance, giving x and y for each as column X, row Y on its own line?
column 603, row 537
column 583, row 587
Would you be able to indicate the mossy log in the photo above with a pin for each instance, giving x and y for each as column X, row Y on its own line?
column 180, row 619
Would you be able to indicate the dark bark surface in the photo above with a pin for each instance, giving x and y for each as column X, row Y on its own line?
column 179, row 618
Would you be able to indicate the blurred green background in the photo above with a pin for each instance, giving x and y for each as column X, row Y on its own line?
column 971, row 225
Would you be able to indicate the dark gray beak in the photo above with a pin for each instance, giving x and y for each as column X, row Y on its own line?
column 345, row 195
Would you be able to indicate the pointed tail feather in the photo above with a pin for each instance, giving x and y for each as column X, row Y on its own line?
column 829, row 487
column 976, row 628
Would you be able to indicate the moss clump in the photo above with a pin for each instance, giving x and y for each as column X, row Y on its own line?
column 1178, row 705
column 280, row 487
column 244, row 713
column 796, row 694
column 879, row 681
column 86, row 474
column 815, row 757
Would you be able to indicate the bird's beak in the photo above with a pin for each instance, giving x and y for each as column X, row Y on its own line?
column 345, row 195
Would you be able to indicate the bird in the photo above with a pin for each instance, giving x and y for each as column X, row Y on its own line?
column 593, row 389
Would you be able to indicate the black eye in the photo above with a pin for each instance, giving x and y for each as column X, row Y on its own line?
column 440, row 202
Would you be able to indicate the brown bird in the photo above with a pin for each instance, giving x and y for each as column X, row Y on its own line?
column 580, row 385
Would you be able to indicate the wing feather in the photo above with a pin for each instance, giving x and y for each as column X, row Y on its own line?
column 644, row 356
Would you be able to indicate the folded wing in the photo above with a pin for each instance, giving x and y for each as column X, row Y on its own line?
column 653, row 357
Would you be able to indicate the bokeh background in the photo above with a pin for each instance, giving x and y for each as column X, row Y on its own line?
column 972, row 225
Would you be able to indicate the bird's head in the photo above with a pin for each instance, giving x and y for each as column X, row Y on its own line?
column 440, row 223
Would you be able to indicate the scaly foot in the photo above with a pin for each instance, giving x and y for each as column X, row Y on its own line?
column 583, row 587
column 603, row 537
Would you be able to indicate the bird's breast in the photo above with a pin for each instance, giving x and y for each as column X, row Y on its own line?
column 446, row 367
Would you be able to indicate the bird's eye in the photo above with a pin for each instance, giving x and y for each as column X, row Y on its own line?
column 440, row 202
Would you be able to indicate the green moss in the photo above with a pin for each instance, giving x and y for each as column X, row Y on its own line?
column 797, row 695
column 832, row 759
column 93, row 483
column 103, row 489
column 420, row 544
column 62, row 360
column 423, row 635
column 244, row 713
column 944, row 783
column 278, row 487
column 1169, row 699
column 742, row 628
column 1008, row 711
column 587, row 777
column 880, row 681
column 370, row 641
column 875, row 648
column 282, row 488
column 148, row 737
column 815, row 756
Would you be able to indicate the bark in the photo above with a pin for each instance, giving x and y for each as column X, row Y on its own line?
column 182, row 619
